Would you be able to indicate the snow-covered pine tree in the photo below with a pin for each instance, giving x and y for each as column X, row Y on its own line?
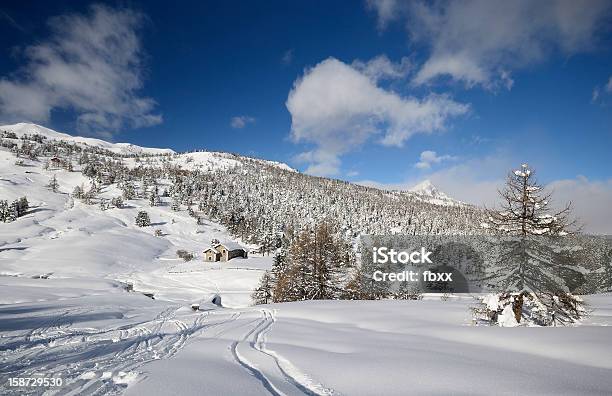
column 532, row 252
column 4, row 211
column 362, row 285
column 154, row 199
column 128, row 190
column 53, row 184
column 176, row 203
column 266, row 243
column 296, row 277
column 78, row 192
column 279, row 265
column 13, row 211
column 90, row 170
column 263, row 292
column 23, row 205
column 142, row 219
column 90, row 195
column 606, row 279
column 83, row 159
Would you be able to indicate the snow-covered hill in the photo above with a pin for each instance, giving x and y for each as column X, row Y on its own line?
column 206, row 160
column 21, row 129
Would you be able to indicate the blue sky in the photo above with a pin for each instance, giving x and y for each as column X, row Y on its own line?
column 379, row 92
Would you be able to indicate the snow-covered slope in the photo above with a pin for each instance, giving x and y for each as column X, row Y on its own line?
column 21, row 129
column 203, row 160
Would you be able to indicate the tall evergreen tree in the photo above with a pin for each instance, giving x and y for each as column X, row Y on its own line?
column 362, row 285
column 532, row 252
column 4, row 211
column 263, row 293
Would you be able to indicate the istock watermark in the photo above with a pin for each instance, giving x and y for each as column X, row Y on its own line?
column 383, row 255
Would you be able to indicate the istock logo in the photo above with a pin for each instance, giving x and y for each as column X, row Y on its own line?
column 384, row 255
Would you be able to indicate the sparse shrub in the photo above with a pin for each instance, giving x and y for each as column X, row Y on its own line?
column 117, row 202
column 159, row 233
column 185, row 255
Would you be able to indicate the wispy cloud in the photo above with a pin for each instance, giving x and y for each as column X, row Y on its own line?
column 429, row 158
column 90, row 64
column 381, row 68
column 599, row 92
column 242, row 121
column 386, row 10
column 338, row 108
column 479, row 42
column 287, row 57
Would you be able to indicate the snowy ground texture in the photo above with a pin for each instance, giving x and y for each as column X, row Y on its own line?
column 65, row 312
column 120, row 342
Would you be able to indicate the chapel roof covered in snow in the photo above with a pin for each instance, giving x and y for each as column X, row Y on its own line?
column 231, row 245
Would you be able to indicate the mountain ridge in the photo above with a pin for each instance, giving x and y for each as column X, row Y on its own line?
column 195, row 159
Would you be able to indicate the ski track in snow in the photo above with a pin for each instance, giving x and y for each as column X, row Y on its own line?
column 277, row 375
column 92, row 361
column 98, row 361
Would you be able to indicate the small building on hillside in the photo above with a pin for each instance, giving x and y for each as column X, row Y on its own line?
column 55, row 162
column 224, row 251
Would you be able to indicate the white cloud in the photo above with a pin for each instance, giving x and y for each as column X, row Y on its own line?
column 381, row 68
column 240, row 122
column 428, row 158
column 590, row 200
column 479, row 42
column 386, row 10
column 338, row 109
column 91, row 64
column 609, row 85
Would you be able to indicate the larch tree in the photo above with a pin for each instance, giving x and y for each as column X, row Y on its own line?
column 314, row 267
column 532, row 251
